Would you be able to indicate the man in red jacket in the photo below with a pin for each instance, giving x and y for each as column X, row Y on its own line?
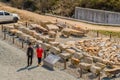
column 39, row 52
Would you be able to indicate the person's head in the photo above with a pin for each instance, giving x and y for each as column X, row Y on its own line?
column 37, row 46
column 29, row 44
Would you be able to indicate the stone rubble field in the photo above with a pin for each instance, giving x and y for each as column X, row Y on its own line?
column 97, row 56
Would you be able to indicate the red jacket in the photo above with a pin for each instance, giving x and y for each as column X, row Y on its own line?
column 39, row 52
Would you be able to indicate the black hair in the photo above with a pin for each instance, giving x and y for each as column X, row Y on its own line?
column 29, row 43
column 37, row 46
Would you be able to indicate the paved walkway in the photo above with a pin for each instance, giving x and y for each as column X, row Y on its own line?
column 13, row 62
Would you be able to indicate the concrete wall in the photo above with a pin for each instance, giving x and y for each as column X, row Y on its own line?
column 97, row 16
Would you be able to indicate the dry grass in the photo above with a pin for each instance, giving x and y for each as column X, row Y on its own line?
column 36, row 18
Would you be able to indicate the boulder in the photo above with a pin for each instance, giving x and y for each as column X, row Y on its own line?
column 39, row 42
column 97, row 59
column 44, row 23
column 101, row 65
column 14, row 31
column 66, row 32
column 77, row 33
column 38, row 28
column 8, row 27
column 63, row 46
column 45, row 46
column 48, row 39
column 54, row 43
column 18, row 33
column 65, row 55
column 52, row 27
column 24, row 37
column 94, row 69
column 88, row 60
column 55, row 50
column 75, row 61
column 52, row 34
column 78, row 55
column 70, row 43
column 85, row 66
column 112, row 72
column 70, row 51
column 32, row 40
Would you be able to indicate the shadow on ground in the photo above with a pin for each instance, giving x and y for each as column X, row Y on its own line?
column 46, row 67
column 27, row 68
column 22, row 69
column 33, row 67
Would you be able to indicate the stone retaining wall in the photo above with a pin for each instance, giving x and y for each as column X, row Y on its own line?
column 97, row 16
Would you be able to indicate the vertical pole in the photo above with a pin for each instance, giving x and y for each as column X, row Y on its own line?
column 13, row 40
column 80, row 72
column 56, row 20
column 65, row 23
column 22, row 44
column 97, row 33
column 99, row 76
column 45, row 54
column 110, row 36
column 4, row 35
column 65, row 64
column 2, row 27
column 26, row 24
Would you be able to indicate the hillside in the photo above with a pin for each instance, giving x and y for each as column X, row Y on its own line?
column 63, row 7
column 36, row 18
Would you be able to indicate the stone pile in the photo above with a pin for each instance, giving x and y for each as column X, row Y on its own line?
column 94, row 55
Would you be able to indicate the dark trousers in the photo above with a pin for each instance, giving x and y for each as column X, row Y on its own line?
column 29, row 61
column 39, row 60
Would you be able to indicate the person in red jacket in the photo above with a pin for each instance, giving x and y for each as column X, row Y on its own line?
column 39, row 52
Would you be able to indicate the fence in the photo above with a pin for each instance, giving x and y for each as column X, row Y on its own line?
column 97, row 16
column 93, row 34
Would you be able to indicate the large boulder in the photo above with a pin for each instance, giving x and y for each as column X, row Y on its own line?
column 65, row 55
column 101, row 65
column 85, row 66
column 78, row 55
column 48, row 39
column 63, row 46
column 14, row 31
column 55, row 50
column 45, row 46
column 39, row 28
column 70, row 51
column 70, row 43
column 52, row 34
column 88, row 60
column 39, row 42
column 67, row 32
column 52, row 27
column 97, row 59
column 32, row 40
column 18, row 33
column 8, row 28
column 94, row 69
column 75, row 61
column 54, row 43
column 112, row 72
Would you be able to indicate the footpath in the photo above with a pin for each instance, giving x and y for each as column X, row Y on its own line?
column 13, row 63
